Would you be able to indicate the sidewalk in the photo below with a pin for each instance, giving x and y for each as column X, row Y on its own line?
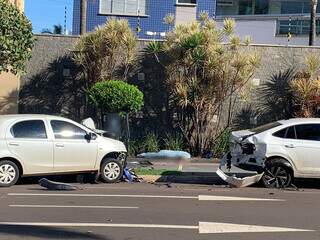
column 192, row 165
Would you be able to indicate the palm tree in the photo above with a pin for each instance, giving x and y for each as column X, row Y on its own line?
column 57, row 29
column 83, row 16
column 313, row 26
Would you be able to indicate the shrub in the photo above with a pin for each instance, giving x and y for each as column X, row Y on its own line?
column 116, row 96
column 173, row 142
column 151, row 143
column 134, row 148
column 16, row 38
column 221, row 144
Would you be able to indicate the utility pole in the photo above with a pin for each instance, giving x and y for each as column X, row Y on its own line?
column 83, row 16
column 313, row 20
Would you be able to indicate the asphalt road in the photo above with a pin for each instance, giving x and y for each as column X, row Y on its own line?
column 156, row 211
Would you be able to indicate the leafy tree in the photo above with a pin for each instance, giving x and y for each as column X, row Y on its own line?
column 16, row 38
column 203, row 73
column 116, row 96
column 57, row 29
column 107, row 53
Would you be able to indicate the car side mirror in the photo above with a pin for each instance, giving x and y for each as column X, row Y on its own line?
column 90, row 136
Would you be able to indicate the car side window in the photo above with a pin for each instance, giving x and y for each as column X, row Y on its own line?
column 281, row 133
column 29, row 129
column 66, row 130
column 308, row 132
column 291, row 133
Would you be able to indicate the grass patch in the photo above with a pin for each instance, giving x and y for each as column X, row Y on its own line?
column 160, row 172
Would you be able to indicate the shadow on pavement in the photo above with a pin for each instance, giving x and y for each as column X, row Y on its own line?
column 213, row 179
column 46, row 232
column 203, row 178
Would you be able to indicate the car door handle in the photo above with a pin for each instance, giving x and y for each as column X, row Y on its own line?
column 289, row 146
column 59, row 145
column 14, row 144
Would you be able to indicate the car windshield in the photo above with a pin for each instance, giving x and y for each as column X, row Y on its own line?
column 265, row 127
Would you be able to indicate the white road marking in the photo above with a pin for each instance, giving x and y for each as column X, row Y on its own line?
column 214, row 227
column 72, row 206
column 203, row 227
column 200, row 197
column 226, row 198
column 101, row 195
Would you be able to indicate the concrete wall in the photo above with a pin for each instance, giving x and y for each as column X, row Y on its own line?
column 49, row 48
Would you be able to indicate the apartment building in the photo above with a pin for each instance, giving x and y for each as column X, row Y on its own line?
column 266, row 21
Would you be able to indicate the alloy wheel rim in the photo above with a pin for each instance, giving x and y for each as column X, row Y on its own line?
column 7, row 174
column 112, row 171
column 276, row 177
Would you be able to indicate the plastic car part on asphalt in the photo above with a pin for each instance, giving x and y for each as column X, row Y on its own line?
column 239, row 182
column 50, row 185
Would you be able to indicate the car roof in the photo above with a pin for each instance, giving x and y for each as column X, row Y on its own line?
column 299, row 120
column 27, row 116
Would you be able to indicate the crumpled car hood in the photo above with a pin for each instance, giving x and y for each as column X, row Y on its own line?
column 238, row 136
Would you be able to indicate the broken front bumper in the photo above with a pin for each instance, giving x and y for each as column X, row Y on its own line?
column 246, row 162
column 239, row 182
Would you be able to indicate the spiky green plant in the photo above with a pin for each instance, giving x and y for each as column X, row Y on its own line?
column 173, row 142
column 202, row 73
column 109, row 52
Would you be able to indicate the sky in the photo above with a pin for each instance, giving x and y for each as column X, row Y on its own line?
column 46, row 13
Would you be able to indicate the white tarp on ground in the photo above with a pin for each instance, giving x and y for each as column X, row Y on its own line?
column 239, row 182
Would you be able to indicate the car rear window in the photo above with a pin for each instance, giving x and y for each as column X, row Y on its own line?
column 265, row 127
column 29, row 129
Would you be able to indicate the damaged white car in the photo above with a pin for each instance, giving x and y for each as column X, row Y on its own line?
column 283, row 150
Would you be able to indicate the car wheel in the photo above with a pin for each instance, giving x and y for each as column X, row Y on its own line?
column 111, row 171
column 9, row 173
column 277, row 174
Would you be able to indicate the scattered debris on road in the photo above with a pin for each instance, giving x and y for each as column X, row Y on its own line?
column 239, row 182
column 50, row 185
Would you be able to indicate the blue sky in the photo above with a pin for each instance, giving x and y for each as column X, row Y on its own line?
column 46, row 13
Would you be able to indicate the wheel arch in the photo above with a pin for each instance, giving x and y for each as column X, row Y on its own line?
column 111, row 155
column 283, row 160
column 17, row 162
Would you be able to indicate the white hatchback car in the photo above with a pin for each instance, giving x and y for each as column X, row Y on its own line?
column 44, row 144
column 284, row 150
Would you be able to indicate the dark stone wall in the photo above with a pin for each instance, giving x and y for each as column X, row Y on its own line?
column 51, row 79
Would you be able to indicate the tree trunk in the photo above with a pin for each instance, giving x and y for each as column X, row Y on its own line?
column 83, row 16
column 312, row 33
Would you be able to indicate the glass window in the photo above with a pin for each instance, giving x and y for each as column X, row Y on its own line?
column 308, row 132
column 123, row 7
column 187, row 1
column 295, row 27
column 245, row 7
column 291, row 133
column 281, row 133
column 29, row 129
column 66, row 130
column 261, row 7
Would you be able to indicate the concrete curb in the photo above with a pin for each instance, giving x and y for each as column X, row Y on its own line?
column 190, row 179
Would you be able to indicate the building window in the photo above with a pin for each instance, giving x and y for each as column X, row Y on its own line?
column 123, row 7
column 263, row 7
column 186, row 1
column 295, row 27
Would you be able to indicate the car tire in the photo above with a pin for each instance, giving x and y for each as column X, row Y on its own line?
column 9, row 173
column 277, row 174
column 111, row 171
